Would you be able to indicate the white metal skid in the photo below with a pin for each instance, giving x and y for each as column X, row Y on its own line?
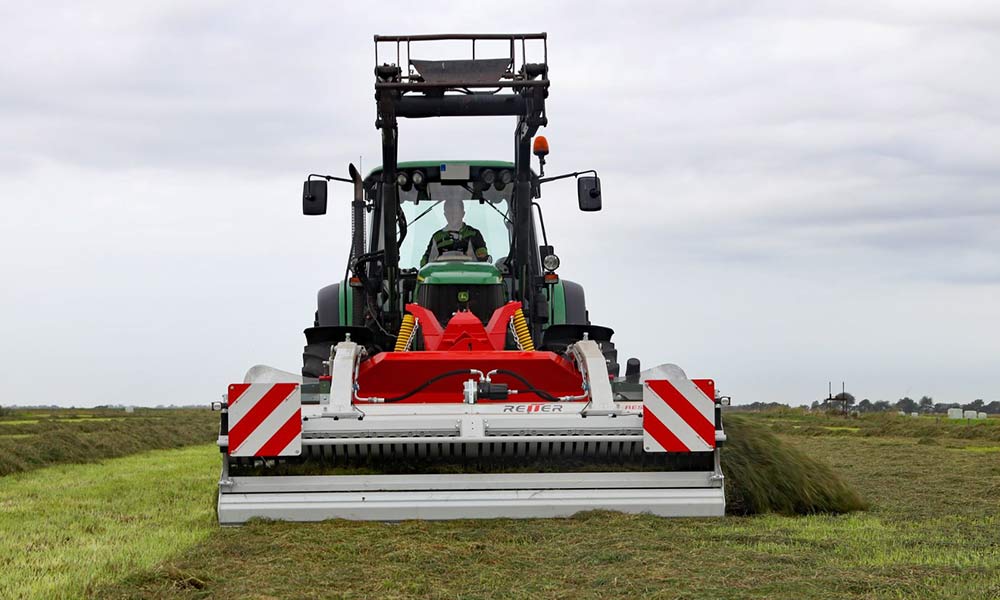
column 343, row 428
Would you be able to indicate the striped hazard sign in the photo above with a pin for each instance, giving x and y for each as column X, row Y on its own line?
column 265, row 419
column 678, row 415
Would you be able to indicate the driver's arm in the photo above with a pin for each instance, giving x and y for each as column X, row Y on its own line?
column 479, row 247
column 431, row 247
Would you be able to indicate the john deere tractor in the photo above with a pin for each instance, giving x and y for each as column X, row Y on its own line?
column 399, row 207
column 451, row 372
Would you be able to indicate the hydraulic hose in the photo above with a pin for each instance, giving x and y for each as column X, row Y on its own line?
column 527, row 384
column 427, row 383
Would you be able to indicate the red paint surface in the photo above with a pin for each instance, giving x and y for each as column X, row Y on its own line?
column 393, row 373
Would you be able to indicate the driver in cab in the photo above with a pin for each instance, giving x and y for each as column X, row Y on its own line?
column 456, row 236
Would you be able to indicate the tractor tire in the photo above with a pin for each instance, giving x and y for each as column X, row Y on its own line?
column 320, row 339
column 313, row 356
column 611, row 358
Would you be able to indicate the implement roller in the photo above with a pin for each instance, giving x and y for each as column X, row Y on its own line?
column 452, row 372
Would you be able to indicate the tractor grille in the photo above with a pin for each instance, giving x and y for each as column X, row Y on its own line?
column 443, row 300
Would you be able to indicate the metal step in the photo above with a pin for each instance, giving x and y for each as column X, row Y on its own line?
column 468, row 496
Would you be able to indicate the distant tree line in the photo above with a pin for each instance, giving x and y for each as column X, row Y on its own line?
column 845, row 402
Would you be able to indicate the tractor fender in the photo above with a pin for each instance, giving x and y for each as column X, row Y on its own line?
column 576, row 303
column 328, row 306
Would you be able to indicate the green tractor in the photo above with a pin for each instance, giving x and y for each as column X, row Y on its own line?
column 453, row 280
column 451, row 362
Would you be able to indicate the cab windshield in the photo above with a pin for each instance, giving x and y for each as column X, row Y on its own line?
column 491, row 216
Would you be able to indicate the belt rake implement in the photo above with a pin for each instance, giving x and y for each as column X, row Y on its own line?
column 527, row 412
column 463, row 388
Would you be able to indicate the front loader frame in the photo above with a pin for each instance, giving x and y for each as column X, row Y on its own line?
column 510, row 87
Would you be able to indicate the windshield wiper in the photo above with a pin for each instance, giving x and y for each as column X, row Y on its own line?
column 429, row 209
column 490, row 204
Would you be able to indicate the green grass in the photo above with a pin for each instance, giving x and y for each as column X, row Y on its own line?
column 34, row 439
column 930, row 533
column 143, row 527
column 801, row 422
column 66, row 529
column 982, row 448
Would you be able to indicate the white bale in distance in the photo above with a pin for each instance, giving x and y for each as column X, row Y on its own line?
column 954, row 413
column 902, row 413
column 914, row 414
column 971, row 414
column 983, row 415
column 129, row 409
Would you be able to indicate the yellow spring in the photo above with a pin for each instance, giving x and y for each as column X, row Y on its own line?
column 522, row 333
column 405, row 332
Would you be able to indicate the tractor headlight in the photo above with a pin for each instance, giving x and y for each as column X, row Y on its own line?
column 418, row 178
column 488, row 176
column 504, row 178
column 550, row 262
column 402, row 179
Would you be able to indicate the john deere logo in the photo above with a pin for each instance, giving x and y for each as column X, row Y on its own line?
column 463, row 296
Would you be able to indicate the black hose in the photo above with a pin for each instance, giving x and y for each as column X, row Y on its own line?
column 424, row 385
column 540, row 393
column 527, row 384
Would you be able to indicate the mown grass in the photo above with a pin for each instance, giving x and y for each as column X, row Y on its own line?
column 800, row 422
column 66, row 529
column 33, row 439
column 764, row 474
column 931, row 532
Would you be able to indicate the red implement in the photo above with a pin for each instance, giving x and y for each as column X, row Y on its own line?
column 465, row 344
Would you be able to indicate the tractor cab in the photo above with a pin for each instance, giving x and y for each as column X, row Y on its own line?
column 458, row 234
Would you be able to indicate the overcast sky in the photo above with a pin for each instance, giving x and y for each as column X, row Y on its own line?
column 794, row 192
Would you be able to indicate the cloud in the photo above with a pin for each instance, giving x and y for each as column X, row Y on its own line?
column 793, row 192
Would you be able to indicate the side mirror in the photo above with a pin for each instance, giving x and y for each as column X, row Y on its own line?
column 314, row 197
column 588, row 191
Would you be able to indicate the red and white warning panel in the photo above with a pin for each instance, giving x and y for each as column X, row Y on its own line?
column 265, row 419
column 678, row 415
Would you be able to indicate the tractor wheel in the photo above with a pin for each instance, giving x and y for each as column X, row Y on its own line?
column 558, row 337
column 313, row 356
column 610, row 357
column 319, row 340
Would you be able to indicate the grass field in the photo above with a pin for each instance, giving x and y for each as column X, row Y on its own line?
column 30, row 439
column 119, row 530
column 66, row 528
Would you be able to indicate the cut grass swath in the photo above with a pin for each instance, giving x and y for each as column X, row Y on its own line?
column 764, row 474
column 35, row 441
